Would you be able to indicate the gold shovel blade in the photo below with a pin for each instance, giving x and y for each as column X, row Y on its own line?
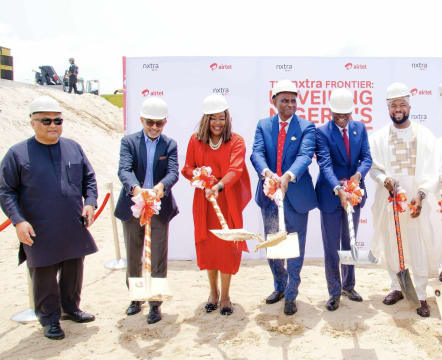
column 435, row 289
column 286, row 249
column 234, row 234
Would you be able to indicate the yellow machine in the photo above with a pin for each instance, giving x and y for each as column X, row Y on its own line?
column 6, row 64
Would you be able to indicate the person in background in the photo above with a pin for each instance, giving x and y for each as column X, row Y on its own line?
column 72, row 75
column 215, row 145
column 48, row 190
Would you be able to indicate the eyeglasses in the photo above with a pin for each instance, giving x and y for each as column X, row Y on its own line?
column 47, row 121
column 158, row 123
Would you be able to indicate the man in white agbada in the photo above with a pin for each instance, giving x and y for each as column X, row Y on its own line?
column 404, row 152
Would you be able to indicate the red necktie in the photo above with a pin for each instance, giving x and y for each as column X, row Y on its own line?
column 281, row 139
column 347, row 144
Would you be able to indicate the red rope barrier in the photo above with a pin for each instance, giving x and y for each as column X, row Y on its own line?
column 97, row 214
column 6, row 223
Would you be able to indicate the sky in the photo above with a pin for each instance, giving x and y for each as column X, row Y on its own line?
column 99, row 33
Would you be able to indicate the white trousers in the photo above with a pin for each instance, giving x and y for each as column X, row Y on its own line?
column 419, row 282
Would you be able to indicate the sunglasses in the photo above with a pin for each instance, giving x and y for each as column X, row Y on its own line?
column 47, row 121
column 158, row 123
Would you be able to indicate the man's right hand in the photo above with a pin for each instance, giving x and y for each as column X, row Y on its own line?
column 343, row 197
column 24, row 232
column 137, row 190
column 389, row 184
column 272, row 175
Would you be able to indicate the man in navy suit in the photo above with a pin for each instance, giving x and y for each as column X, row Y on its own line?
column 283, row 149
column 149, row 160
column 342, row 152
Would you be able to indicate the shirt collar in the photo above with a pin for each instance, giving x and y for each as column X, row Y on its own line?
column 147, row 139
column 341, row 129
column 287, row 122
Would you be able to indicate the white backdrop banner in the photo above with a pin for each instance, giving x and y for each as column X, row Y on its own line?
column 247, row 83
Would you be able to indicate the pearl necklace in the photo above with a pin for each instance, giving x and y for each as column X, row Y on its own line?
column 215, row 146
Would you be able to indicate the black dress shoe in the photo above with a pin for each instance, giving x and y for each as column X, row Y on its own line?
column 79, row 316
column 440, row 276
column 54, row 331
column 352, row 295
column 134, row 307
column 275, row 297
column 154, row 314
column 333, row 303
column 424, row 310
column 393, row 297
column 290, row 307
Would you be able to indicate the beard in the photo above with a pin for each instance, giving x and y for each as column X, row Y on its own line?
column 398, row 122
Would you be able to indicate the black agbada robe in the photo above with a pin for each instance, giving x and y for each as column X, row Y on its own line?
column 45, row 185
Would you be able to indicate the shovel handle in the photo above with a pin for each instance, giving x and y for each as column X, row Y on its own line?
column 397, row 227
column 351, row 229
column 218, row 212
column 147, row 248
column 280, row 204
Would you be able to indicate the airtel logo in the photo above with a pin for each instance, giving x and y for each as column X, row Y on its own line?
column 215, row 66
column 147, row 92
column 351, row 66
column 416, row 91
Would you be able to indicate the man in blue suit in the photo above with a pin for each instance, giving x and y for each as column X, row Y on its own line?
column 283, row 149
column 149, row 160
column 342, row 152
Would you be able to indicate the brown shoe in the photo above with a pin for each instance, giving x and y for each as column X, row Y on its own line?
column 393, row 297
column 424, row 310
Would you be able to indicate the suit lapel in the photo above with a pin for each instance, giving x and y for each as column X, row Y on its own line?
column 161, row 146
column 339, row 140
column 294, row 131
column 275, row 133
column 354, row 139
column 142, row 154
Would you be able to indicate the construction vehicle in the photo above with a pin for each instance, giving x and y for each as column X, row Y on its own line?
column 6, row 64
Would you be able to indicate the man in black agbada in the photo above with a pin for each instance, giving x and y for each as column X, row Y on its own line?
column 48, row 190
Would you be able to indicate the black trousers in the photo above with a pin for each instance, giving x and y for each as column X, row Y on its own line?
column 73, row 85
column 134, row 240
column 50, row 295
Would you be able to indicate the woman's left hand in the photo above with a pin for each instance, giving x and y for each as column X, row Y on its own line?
column 214, row 191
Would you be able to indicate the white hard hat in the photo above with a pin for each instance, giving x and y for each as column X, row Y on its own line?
column 397, row 90
column 341, row 101
column 44, row 104
column 154, row 108
column 284, row 86
column 214, row 104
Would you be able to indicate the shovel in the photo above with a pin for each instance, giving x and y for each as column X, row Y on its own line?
column 355, row 256
column 435, row 289
column 230, row 234
column 281, row 245
column 147, row 287
column 403, row 275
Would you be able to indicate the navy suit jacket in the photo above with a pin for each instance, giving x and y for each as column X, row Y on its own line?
column 333, row 161
column 299, row 148
column 132, row 170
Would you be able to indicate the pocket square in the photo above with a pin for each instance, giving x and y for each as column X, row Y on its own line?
column 293, row 138
column 162, row 158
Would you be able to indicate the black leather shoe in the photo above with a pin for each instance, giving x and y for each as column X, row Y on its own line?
column 393, row 297
column 275, row 297
column 79, row 316
column 290, row 307
column 54, row 331
column 352, row 295
column 154, row 314
column 134, row 307
column 424, row 310
column 440, row 276
column 333, row 303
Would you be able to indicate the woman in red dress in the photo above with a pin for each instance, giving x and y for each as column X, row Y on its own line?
column 216, row 146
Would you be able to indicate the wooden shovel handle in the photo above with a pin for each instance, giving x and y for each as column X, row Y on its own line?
column 397, row 227
column 218, row 213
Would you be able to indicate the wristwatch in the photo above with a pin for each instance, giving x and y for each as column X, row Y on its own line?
column 421, row 194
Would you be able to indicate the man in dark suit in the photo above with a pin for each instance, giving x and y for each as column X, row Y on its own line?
column 283, row 149
column 149, row 160
column 342, row 152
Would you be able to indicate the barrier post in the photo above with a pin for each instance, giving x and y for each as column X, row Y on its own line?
column 118, row 262
column 27, row 315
